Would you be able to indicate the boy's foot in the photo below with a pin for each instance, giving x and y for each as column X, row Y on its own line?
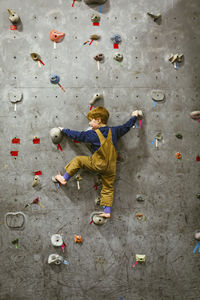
column 61, row 179
column 105, row 215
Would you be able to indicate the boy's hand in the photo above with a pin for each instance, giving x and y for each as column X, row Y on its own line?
column 135, row 113
column 61, row 128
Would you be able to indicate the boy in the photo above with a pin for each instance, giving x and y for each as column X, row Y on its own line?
column 103, row 141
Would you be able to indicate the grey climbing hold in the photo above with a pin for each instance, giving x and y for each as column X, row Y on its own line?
column 55, row 259
column 13, row 17
column 56, row 135
column 118, row 57
column 36, row 180
column 197, row 235
column 116, row 38
column 95, row 1
column 15, row 96
column 195, row 115
column 15, row 220
column 154, row 17
column 35, row 56
column 95, row 98
column 159, row 136
column 140, row 198
column 97, row 219
column 157, row 95
column 56, row 240
column 99, row 57
column 97, row 201
column 179, row 136
column 95, row 18
column 198, row 196
column 95, row 37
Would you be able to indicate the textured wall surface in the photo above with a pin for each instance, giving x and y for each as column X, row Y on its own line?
column 100, row 268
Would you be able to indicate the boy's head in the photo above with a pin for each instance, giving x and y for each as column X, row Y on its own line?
column 100, row 116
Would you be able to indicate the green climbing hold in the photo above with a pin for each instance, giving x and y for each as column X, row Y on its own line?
column 179, row 136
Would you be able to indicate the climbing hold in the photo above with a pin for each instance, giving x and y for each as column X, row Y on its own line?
column 179, row 136
column 15, row 96
column 15, row 243
column 56, row 36
column 118, row 57
column 78, row 179
column 176, row 58
column 97, row 201
column 198, row 196
column 56, row 135
column 15, row 220
column 197, row 235
column 157, row 95
column 55, row 259
column 78, row 239
column 195, row 115
column 141, row 258
column 56, row 240
column 95, row 37
column 95, row 1
column 95, row 98
column 95, row 18
column 36, row 180
column 178, row 155
column 154, row 17
column 159, row 136
column 99, row 57
column 97, row 219
column 54, row 79
column 139, row 198
column 116, row 38
column 13, row 17
column 35, row 56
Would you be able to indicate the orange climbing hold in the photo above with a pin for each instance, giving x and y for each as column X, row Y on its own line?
column 178, row 155
column 56, row 36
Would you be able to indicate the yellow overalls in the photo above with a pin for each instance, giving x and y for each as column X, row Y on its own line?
column 102, row 161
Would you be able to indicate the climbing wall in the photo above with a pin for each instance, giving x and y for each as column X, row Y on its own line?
column 156, row 205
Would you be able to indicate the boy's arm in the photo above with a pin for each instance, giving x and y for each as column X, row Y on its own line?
column 88, row 136
column 123, row 129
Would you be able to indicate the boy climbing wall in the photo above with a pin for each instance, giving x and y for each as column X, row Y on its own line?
column 103, row 141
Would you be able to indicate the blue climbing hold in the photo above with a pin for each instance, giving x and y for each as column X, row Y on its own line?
column 116, row 38
column 54, row 79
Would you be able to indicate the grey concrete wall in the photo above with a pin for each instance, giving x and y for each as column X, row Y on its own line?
column 100, row 268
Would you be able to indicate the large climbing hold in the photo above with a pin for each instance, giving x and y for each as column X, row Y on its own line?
column 56, row 135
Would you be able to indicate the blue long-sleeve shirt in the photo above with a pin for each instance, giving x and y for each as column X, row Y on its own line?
column 90, row 136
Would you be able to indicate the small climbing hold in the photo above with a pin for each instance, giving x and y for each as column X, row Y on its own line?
column 54, row 79
column 141, row 258
column 55, row 259
column 95, row 98
column 95, row 37
column 179, row 136
column 139, row 198
column 56, row 36
column 195, row 115
column 157, row 95
column 78, row 179
column 154, row 17
column 97, row 219
column 15, row 96
column 78, row 239
column 99, row 57
column 198, row 196
column 178, row 155
column 56, row 240
column 56, row 135
column 97, row 201
column 95, row 18
column 176, row 59
column 35, row 56
column 118, row 57
column 36, row 180
column 139, row 216
column 13, row 17
column 15, row 243
column 116, row 38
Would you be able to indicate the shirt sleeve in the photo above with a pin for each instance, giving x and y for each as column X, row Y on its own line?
column 88, row 136
column 123, row 129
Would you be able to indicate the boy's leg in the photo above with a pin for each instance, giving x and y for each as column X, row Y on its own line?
column 73, row 166
column 107, row 194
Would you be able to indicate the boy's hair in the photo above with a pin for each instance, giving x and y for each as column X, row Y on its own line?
column 99, row 112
